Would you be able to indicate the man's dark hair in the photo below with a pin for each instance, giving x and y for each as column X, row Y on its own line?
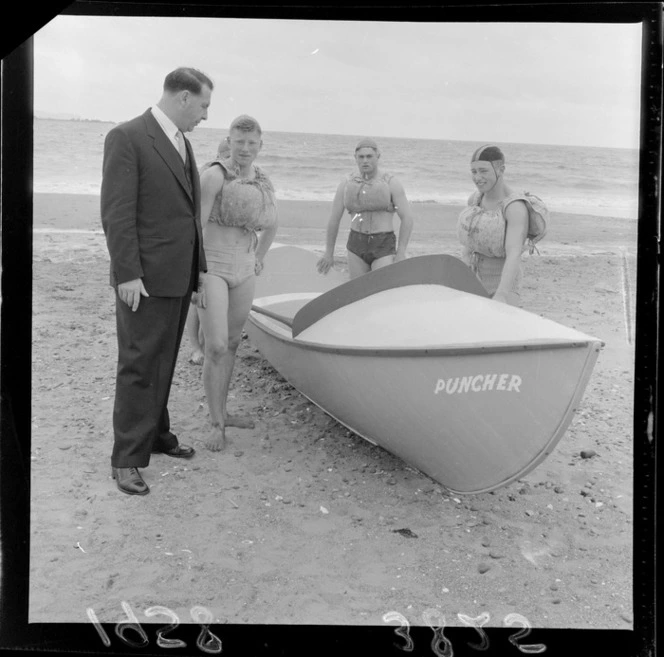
column 186, row 78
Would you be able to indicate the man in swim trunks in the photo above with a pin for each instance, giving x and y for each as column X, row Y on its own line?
column 371, row 197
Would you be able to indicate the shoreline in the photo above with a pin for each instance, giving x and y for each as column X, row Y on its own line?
column 304, row 223
column 41, row 197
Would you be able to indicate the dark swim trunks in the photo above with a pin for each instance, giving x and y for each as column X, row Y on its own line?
column 371, row 246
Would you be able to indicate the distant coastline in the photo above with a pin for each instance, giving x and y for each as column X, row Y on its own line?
column 85, row 120
column 74, row 119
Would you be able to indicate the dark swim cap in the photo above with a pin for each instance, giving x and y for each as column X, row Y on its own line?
column 488, row 153
column 367, row 142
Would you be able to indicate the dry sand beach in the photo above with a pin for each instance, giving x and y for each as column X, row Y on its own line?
column 299, row 521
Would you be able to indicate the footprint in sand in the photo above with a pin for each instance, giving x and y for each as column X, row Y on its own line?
column 532, row 554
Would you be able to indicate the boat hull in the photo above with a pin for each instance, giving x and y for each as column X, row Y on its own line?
column 472, row 421
column 473, row 418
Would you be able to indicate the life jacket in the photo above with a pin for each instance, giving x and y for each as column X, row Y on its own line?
column 373, row 195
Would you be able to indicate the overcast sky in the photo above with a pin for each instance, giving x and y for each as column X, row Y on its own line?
column 546, row 83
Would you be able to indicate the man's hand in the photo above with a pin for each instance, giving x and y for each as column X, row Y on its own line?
column 325, row 263
column 131, row 293
column 199, row 298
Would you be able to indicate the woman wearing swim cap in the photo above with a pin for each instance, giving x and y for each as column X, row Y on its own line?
column 498, row 225
column 371, row 198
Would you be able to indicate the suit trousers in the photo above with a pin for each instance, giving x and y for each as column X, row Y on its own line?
column 148, row 345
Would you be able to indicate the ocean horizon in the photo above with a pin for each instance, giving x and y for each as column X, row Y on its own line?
column 590, row 180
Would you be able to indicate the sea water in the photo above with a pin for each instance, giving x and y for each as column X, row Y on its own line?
column 304, row 166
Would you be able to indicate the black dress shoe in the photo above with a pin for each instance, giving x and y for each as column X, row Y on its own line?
column 129, row 481
column 179, row 451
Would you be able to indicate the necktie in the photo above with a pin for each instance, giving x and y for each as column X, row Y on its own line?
column 183, row 154
column 181, row 146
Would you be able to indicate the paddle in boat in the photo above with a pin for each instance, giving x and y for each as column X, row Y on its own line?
column 415, row 358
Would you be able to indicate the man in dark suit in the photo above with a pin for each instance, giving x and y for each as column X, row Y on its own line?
column 150, row 212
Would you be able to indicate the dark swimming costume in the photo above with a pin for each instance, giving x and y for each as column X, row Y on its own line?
column 371, row 246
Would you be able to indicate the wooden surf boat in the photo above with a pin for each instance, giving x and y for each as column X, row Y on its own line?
column 417, row 359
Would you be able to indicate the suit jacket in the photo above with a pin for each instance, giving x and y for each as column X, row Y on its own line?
column 149, row 212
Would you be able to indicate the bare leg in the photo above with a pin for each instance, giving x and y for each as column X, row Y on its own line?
column 240, row 300
column 214, row 320
column 356, row 266
column 195, row 336
column 222, row 321
column 382, row 262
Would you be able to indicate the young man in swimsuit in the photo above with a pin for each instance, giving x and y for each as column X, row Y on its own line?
column 239, row 217
column 371, row 197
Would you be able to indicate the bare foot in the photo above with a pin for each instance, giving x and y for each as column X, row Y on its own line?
column 216, row 441
column 240, row 421
column 197, row 357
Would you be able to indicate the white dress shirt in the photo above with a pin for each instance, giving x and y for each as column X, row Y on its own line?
column 167, row 125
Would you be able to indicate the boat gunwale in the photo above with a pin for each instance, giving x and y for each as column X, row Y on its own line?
column 452, row 350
